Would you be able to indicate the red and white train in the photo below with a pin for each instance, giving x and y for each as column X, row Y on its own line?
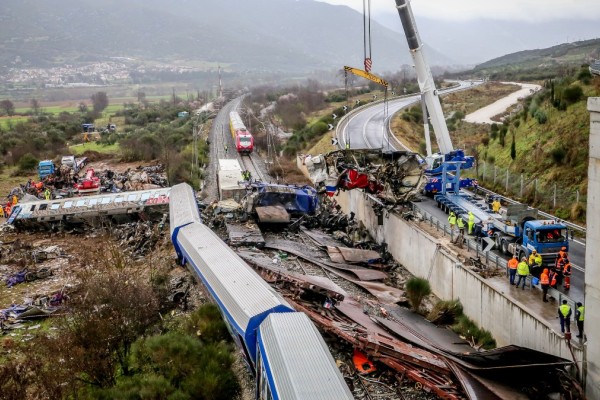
column 244, row 142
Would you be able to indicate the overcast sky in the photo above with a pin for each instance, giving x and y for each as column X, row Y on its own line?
column 529, row 10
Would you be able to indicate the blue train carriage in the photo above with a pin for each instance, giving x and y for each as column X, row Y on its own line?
column 294, row 362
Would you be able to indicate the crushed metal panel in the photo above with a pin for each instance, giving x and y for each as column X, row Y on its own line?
column 273, row 215
column 313, row 283
column 472, row 387
column 245, row 235
column 364, row 274
column 321, row 239
column 351, row 255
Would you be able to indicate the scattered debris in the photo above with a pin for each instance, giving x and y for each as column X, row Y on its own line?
column 395, row 177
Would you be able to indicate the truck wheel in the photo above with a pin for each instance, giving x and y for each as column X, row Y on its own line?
column 504, row 245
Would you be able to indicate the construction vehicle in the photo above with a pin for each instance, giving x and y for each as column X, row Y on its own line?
column 515, row 229
column 46, row 168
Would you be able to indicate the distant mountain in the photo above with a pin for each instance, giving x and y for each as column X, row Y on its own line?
column 475, row 41
column 257, row 35
column 563, row 54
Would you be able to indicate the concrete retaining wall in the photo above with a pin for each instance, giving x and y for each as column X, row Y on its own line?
column 592, row 256
column 423, row 255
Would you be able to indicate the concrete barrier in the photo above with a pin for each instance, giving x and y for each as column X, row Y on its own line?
column 426, row 256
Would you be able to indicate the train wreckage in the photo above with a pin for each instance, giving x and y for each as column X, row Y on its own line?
column 394, row 177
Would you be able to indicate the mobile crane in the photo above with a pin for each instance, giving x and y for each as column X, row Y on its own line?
column 515, row 228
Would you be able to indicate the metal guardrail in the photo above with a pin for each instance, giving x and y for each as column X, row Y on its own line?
column 489, row 259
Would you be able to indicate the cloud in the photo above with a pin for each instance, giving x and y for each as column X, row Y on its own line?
column 457, row 10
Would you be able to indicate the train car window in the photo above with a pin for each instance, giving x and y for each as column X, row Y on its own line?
column 32, row 208
column 55, row 206
column 93, row 202
column 43, row 207
column 132, row 197
column 119, row 199
column 105, row 200
column 145, row 196
column 68, row 204
column 80, row 203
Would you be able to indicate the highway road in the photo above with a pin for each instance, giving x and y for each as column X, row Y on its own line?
column 368, row 128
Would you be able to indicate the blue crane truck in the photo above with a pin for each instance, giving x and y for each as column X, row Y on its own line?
column 515, row 229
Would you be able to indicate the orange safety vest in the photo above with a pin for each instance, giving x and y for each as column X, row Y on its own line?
column 544, row 279
column 567, row 269
column 561, row 254
column 513, row 263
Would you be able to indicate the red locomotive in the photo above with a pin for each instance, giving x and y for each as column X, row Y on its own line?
column 244, row 142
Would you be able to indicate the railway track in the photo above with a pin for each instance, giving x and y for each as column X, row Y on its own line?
column 248, row 163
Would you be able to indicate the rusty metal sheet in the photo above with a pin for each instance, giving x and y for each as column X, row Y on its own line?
column 273, row 215
column 313, row 283
column 321, row 239
column 245, row 235
column 351, row 255
column 363, row 274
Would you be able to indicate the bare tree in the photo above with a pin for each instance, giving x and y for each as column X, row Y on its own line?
column 35, row 106
column 99, row 101
column 7, row 106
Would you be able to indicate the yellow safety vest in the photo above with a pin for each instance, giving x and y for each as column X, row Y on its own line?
column 581, row 312
column 460, row 222
column 471, row 218
column 452, row 219
column 564, row 310
column 523, row 269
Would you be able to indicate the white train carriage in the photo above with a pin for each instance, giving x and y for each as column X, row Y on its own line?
column 294, row 362
column 244, row 298
column 183, row 210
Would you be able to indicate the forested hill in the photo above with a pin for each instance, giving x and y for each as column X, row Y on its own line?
column 541, row 63
column 248, row 35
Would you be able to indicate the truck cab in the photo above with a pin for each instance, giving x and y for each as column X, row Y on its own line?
column 45, row 168
column 69, row 161
column 547, row 237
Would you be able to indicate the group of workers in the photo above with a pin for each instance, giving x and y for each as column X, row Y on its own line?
column 564, row 315
column 459, row 222
column 553, row 277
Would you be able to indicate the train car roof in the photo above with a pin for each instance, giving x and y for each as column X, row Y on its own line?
column 183, row 208
column 243, row 295
column 298, row 362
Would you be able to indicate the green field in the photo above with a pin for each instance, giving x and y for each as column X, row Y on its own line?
column 5, row 121
column 79, row 149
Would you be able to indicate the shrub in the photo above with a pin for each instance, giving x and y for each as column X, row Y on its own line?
column 445, row 312
column 572, row 94
column 491, row 159
column 28, row 162
column 207, row 324
column 558, row 154
column 540, row 116
column 468, row 329
column 319, row 128
column 416, row 290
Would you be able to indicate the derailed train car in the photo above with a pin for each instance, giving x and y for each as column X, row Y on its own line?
column 258, row 319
